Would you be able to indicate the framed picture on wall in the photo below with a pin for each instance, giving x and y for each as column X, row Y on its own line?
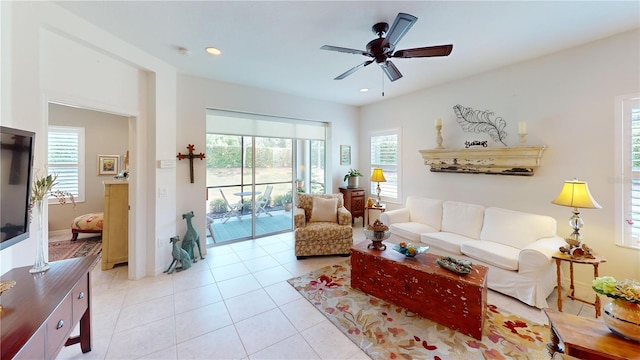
column 345, row 154
column 108, row 164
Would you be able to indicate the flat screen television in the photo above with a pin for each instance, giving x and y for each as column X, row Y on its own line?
column 16, row 171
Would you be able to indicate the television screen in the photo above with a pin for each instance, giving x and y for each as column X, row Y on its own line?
column 16, row 170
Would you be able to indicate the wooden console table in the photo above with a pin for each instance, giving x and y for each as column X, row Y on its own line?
column 354, row 202
column 41, row 310
column 587, row 338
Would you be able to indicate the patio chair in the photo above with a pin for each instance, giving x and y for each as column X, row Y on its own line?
column 261, row 205
column 234, row 209
column 210, row 228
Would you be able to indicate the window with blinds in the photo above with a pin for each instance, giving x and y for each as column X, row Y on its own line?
column 66, row 160
column 385, row 154
column 630, row 174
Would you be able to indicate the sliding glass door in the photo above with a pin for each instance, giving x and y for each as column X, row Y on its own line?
column 255, row 166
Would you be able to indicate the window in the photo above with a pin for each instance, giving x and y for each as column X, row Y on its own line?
column 385, row 154
column 66, row 159
column 628, row 185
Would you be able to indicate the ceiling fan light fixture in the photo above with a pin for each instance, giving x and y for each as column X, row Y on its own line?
column 213, row 51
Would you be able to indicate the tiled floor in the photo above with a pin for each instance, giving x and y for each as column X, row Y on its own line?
column 236, row 304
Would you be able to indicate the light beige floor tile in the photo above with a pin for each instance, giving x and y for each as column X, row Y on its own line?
column 294, row 348
column 220, row 344
column 285, row 257
column 142, row 340
column 169, row 353
column 144, row 313
column 272, row 275
column 189, row 280
column 251, row 253
column 244, row 245
column 194, row 298
column 202, row 320
column 329, row 342
column 148, row 289
column 276, row 247
column 226, row 259
column 263, row 330
column 261, row 263
column 247, row 305
column 238, row 286
column 302, row 314
column 282, row 293
column 231, row 271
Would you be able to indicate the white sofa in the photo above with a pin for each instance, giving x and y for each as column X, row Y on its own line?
column 516, row 246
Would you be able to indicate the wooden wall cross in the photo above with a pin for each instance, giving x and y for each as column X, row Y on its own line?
column 191, row 156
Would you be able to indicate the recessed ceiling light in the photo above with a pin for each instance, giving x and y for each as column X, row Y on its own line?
column 364, row 90
column 213, row 51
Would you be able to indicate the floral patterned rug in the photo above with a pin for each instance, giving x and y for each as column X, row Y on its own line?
column 386, row 331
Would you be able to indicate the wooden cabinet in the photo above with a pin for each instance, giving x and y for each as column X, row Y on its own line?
column 115, row 229
column 354, row 202
column 41, row 311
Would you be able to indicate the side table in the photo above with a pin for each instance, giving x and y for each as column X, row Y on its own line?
column 586, row 338
column 354, row 202
column 372, row 213
column 571, row 293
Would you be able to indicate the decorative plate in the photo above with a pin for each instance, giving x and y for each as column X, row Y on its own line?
column 462, row 266
column 410, row 250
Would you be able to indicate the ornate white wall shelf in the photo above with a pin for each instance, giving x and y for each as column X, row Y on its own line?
column 517, row 160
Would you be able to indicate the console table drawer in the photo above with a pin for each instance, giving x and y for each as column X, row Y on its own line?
column 59, row 326
column 80, row 296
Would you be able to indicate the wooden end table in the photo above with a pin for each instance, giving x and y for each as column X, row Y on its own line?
column 586, row 338
column 372, row 213
column 571, row 293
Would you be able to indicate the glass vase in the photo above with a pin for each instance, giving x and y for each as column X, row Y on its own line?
column 623, row 319
column 40, row 263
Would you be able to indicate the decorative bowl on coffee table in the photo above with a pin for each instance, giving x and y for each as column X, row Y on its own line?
column 410, row 250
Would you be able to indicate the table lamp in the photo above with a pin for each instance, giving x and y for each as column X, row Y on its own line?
column 378, row 177
column 576, row 194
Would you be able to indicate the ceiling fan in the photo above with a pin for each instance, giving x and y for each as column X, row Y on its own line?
column 382, row 48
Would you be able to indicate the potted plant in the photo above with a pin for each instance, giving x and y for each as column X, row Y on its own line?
column 352, row 178
column 287, row 201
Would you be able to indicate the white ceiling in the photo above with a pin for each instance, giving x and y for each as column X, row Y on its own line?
column 276, row 45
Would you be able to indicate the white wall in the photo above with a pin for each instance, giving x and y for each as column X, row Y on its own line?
column 567, row 101
column 197, row 94
column 50, row 54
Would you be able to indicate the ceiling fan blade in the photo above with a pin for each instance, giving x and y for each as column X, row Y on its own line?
column 440, row 50
column 352, row 70
column 399, row 28
column 391, row 70
column 345, row 50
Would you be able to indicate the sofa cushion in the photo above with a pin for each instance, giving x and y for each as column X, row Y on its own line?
column 321, row 231
column 410, row 230
column 462, row 218
column 425, row 211
column 492, row 253
column 449, row 242
column 514, row 228
column 324, row 210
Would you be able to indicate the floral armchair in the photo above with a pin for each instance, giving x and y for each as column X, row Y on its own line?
column 322, row 225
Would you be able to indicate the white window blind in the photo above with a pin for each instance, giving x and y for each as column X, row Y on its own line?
column 66, row 159
column 385, row 154
column 629, row 219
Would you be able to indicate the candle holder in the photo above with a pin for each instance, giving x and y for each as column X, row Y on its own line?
column 523, row 138
column 439, row 137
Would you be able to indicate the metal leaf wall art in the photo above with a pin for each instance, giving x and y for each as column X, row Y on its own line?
column 477, row 121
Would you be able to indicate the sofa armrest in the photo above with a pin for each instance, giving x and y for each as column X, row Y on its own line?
column 538, row 254
column 344, row 216
column 395, row 216
column 298, row 218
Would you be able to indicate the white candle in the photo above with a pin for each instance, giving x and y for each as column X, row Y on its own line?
column 522, row 127
column 438, row 122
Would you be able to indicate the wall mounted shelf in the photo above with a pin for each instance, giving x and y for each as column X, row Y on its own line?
column 516, row 160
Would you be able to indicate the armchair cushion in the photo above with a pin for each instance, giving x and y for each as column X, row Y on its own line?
column 324, row 210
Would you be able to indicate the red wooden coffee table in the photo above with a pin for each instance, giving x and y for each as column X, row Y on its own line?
column 419, row 284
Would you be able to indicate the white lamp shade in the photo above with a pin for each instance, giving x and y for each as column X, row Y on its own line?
column 576, row 194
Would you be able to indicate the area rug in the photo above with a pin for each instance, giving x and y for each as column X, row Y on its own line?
column 66, row 249
column 385, row 331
